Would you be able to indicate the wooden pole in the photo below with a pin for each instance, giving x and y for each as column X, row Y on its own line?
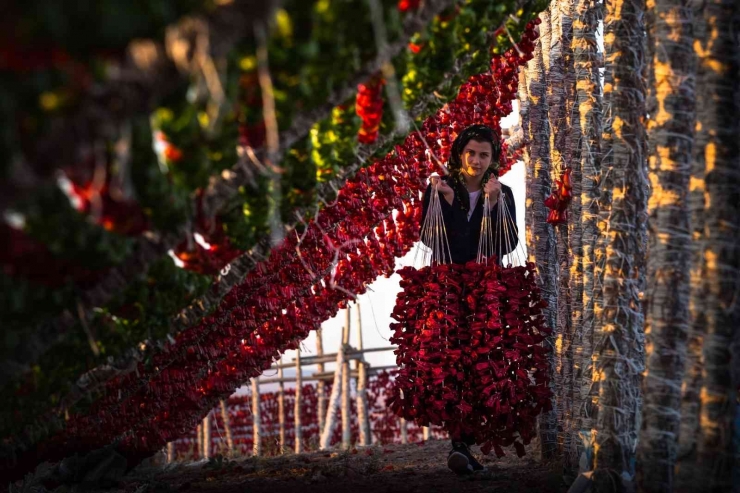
column 170, row 452
column 362, row 415
column 425, row 433
column 333, row 405
column 207, row 436
column 297, row 403
column 227, row 426
column 257, row 419
column 404, row 432
column 199, row 441
column 346, row 424
column 281, row 408
column 321, row 385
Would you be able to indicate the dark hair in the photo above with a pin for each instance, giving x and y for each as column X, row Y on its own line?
column 478, row 133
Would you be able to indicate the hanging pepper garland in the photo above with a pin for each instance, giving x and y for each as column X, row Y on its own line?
column 369, row 107
column 472, row 363
column 303, row 283
column 560, row 198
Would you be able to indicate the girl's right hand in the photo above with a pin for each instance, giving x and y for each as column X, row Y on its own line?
column 442, row 186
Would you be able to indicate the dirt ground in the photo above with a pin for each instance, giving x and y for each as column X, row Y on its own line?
column 391, row 469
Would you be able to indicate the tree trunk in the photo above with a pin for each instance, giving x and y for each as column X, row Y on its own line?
column 541, row 240
column 717, row 110
column 691, row 385
column 587, row 61
column 560, row 103
column 585, row 143
column 667, row 311
column 618, row 332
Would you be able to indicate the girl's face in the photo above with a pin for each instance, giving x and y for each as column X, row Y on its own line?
column 476, row 158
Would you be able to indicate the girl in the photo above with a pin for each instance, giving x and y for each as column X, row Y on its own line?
column 473, row 167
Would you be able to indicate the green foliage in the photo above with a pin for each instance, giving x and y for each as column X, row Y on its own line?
column 245, row 219
column 333, row 142
column 69, row 235
column 164, row 202
column 297, row 182
column 71, row 238
column 142, row 313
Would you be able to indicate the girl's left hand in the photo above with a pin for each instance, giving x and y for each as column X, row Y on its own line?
column 493, row 189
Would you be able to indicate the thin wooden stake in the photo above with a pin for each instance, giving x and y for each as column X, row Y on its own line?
column 321, row 385
column 297, row 408
column 207, row 436
column 227, row 426
column 199, row 441
column 281, row 408
column 333, row 407
column 362, row 415
column 346, row 424
column 257, row 419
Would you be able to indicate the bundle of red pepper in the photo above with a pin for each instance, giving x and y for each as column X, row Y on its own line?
column 560, row 198
column 469, row 347
column 408, row 5
column 369, row 107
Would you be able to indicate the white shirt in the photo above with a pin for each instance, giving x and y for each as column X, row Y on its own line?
column 473, row 202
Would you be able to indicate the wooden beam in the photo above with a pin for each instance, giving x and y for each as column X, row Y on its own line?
column 321, row 385
column 227, row 426
column 297, row 408
column 362, row 414
column 257, row 419
column 207, row 436
column 346, row 417
column 281, row 408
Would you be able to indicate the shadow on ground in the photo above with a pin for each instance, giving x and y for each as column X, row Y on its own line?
column 395, row 468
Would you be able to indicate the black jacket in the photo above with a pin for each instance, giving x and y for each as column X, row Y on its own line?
column 463, row 235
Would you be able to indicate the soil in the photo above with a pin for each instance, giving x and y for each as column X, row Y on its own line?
column 379, row 469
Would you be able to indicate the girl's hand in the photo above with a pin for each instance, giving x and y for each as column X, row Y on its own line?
column 493, row 189
column 442, row 186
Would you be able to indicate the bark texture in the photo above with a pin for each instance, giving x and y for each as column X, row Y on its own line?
column 560, row 103
column 691, row 385
column 541, row 241
column 671, row 132
column 587, row 61
column 717, row 147
column 618, row 332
